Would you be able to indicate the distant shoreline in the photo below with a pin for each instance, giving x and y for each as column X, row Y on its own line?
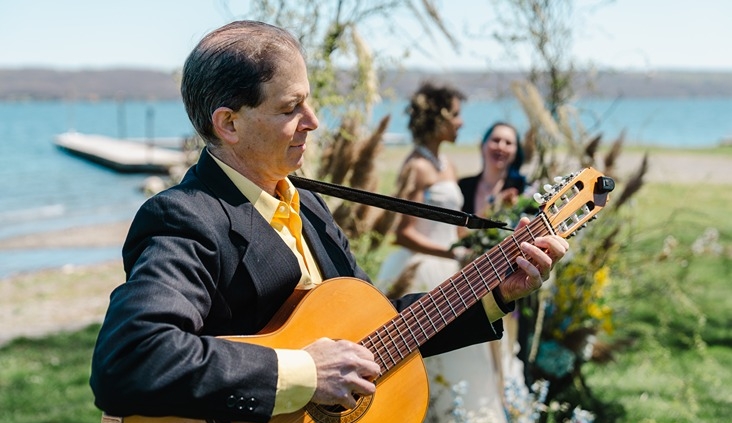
column 25, row 84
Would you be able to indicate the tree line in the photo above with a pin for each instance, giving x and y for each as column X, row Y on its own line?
column 141, row 84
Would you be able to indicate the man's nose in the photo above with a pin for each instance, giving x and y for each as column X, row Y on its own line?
column 309, row 120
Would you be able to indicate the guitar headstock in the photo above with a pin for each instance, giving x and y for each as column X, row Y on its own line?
column 574, row 200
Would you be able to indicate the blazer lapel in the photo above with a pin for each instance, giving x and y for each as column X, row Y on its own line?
column 327, row 269
column 273, row 268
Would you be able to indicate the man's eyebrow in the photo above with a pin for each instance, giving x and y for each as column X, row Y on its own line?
column 293, row 99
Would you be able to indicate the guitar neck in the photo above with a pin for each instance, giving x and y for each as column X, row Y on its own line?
column 421, row 321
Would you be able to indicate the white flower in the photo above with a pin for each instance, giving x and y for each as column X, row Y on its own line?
column 708, row 243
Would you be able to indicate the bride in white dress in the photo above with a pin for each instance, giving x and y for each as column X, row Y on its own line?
column 464, row 384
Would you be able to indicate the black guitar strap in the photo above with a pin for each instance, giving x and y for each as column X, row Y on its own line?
column 399, row 205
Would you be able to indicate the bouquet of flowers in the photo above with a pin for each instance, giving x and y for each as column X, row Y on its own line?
column 480, row 241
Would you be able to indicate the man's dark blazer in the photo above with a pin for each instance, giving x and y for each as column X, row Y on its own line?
column 200, row 261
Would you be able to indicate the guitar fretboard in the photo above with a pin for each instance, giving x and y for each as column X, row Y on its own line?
column 418, row 323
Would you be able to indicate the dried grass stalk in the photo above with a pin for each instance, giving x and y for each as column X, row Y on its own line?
column 614, row 153
column 343, row 216
column 564, row 117
column 363, row 168
column 588, row 155
column 362, row 213
column 529, row 144
column 366, row 69
column 564, row 122
column 381, row 226
column 326, row 160
column 343, row 151
column 384, row 222
column 434, row 15
column 533, row 105
column 635, row 183
column 354, row 217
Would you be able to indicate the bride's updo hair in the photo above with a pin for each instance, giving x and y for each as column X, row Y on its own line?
column 429, row 106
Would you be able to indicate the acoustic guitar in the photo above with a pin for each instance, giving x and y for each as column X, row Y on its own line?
column 394, row 338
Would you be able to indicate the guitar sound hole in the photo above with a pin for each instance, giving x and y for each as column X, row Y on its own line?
column 339, row 408
column 338, row 414
column 334, row 408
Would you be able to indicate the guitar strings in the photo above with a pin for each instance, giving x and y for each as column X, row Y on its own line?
column 447, row 299
column 504, row 254
column 433, row 317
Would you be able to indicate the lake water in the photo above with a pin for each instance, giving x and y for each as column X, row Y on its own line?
column 43, row 188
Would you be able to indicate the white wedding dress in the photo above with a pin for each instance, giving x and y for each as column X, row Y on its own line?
column 464, row 384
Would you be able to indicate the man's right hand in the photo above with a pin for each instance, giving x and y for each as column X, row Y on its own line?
column 344, row 369
column 544, row 252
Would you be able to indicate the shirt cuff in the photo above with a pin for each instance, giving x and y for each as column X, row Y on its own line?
column 494, row 306
column 297, row 379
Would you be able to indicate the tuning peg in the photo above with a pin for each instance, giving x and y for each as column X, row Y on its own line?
column 559, row 179
column 548, row 188
column 605, row 184
column 539, row 198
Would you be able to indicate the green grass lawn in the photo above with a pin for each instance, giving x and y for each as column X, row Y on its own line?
column 672, row 348
column 673, row 341
column 47, row 380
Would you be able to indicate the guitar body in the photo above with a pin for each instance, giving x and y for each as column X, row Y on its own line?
column 340, row 308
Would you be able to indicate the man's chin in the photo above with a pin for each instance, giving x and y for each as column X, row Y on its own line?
column 297, row 162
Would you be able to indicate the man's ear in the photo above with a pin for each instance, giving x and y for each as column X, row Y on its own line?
column 223, row 125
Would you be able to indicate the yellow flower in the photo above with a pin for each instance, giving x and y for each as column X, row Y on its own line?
column 594, row 311
column 607, row 325
column 602, row 278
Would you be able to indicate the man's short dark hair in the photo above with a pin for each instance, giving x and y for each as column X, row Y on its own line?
column 229, row 67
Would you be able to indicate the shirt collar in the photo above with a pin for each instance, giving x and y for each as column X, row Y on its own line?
column 265, row 204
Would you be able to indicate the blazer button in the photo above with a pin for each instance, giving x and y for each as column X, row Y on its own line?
column 241, row 403
column 250, row 404
column 231, row 401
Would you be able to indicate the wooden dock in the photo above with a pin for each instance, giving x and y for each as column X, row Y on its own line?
column 124, row 156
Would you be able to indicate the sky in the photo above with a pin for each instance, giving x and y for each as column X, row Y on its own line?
column 640, row 35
